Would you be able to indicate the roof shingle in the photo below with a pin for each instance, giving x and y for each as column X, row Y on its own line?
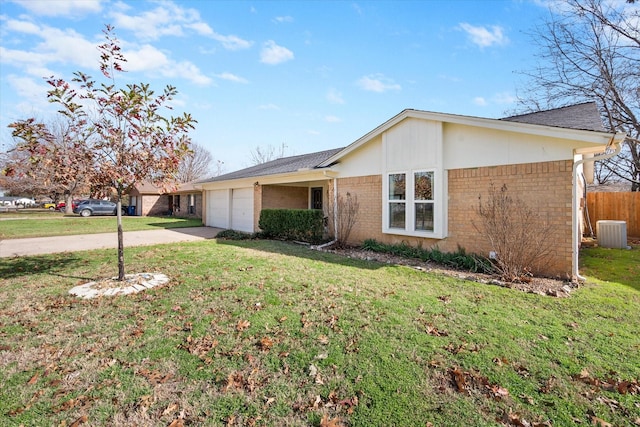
column 279, row 166
column 580, row 116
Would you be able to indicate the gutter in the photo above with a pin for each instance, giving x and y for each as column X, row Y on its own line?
column 576, row 235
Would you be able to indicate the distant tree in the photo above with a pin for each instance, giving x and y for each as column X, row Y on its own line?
column 130, row 141
column 197, row 164
column 590, row 50
column 266, row 154
column 49, row 158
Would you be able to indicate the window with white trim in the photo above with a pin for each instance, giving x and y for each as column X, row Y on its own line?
column 412, row 203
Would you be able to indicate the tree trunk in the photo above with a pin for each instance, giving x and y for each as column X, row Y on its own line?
column 120, row 237
column 68, row 207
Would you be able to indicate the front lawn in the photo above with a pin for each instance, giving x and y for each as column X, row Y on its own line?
column 56, row 224
column 269, row 333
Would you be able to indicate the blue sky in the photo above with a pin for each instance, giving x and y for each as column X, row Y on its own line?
column 310, row 75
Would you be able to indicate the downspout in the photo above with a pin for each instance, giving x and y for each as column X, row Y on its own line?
column 576, row 234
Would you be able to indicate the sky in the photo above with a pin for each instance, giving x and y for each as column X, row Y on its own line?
column 305, row 76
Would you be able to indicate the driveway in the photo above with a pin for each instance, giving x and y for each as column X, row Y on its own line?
column 83, row 242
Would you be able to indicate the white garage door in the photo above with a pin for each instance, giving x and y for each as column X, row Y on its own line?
column 218, row 208
column 242, row 209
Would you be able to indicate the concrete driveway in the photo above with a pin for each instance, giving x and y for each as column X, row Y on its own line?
column 83, row 242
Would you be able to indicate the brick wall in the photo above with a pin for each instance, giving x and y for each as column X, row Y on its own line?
column 153, row 205
column 546, row 186
column 278, row 197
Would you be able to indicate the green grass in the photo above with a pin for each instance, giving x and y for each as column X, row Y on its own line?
column 269, row 333
column 56, row 224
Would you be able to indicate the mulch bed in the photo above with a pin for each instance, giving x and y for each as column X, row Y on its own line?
column 537, row 285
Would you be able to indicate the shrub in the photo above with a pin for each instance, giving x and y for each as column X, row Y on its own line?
column 517, row 234
column 458, row 259
column 305, row 225
column 234, row 235
column 348, row 209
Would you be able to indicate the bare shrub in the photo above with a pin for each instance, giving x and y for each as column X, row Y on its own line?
column 518, row 234
column 348, row 209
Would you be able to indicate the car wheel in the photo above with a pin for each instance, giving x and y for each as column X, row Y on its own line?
column 85, row 212
column 51, row 208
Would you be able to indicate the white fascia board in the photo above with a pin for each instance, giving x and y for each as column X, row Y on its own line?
column 587, row 136
column 284, row 178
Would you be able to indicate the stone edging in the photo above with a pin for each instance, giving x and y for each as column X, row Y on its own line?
column 132, row 283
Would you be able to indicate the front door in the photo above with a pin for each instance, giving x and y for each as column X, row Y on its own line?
column 316, row 198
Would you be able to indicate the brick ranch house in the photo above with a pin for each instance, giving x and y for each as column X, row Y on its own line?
column 540, row 156
column 183, row 201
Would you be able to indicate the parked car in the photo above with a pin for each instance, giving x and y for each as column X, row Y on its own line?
column 50, row 206
column 60, row 207
column 96, row 207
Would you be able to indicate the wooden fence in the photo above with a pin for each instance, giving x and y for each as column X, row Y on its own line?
column 620, row 206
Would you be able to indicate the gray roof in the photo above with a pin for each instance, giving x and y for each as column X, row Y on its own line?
column 279, row 166
column 580, row 116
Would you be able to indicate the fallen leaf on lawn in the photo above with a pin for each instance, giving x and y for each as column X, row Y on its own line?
column 599, row 422
column 265, row 343
column 313, row 371
column 282, row 319
column 34, row 379
column 323, row 339
column 326, row 422
column 460, row 380
column 637, row 421
column 445, row 298
column 171, row 408
column 242, row 325
column 498, row 391
column 80, row 420
column 432, row 330
column 178, row 422
column 269, row 401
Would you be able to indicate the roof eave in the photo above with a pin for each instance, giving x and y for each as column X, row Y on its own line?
column 590, row 136
column 281, row 178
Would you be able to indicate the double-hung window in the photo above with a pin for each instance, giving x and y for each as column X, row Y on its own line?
column 411, row 204
column 423, row 200
column 397, row 200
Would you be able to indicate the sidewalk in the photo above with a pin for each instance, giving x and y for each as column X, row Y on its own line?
column 83, row 242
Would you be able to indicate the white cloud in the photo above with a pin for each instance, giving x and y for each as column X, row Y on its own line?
column 169, row 19
column 71, row 8
column 232, row 78
column 283, row 19
column 54, row 47
column 335, row 97
column 485, row 36
column 377, row 83
column 149, row 59
column 273, row 54
column 505, row 98
column 232, row 42
column 478, row 100
column 332, row 119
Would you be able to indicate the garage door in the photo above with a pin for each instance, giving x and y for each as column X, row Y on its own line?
column 218, row 208
column 242, row 209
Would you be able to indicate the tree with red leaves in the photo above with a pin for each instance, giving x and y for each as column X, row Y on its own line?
column 119, row 135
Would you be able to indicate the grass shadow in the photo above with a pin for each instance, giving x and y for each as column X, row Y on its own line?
column 302, row 251
column 48, row 264
column 177, row 222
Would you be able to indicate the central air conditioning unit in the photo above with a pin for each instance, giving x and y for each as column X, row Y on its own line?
column 612, row 234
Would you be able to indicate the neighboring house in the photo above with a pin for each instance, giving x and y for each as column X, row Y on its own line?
column 539, row 157
column 150, row 200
